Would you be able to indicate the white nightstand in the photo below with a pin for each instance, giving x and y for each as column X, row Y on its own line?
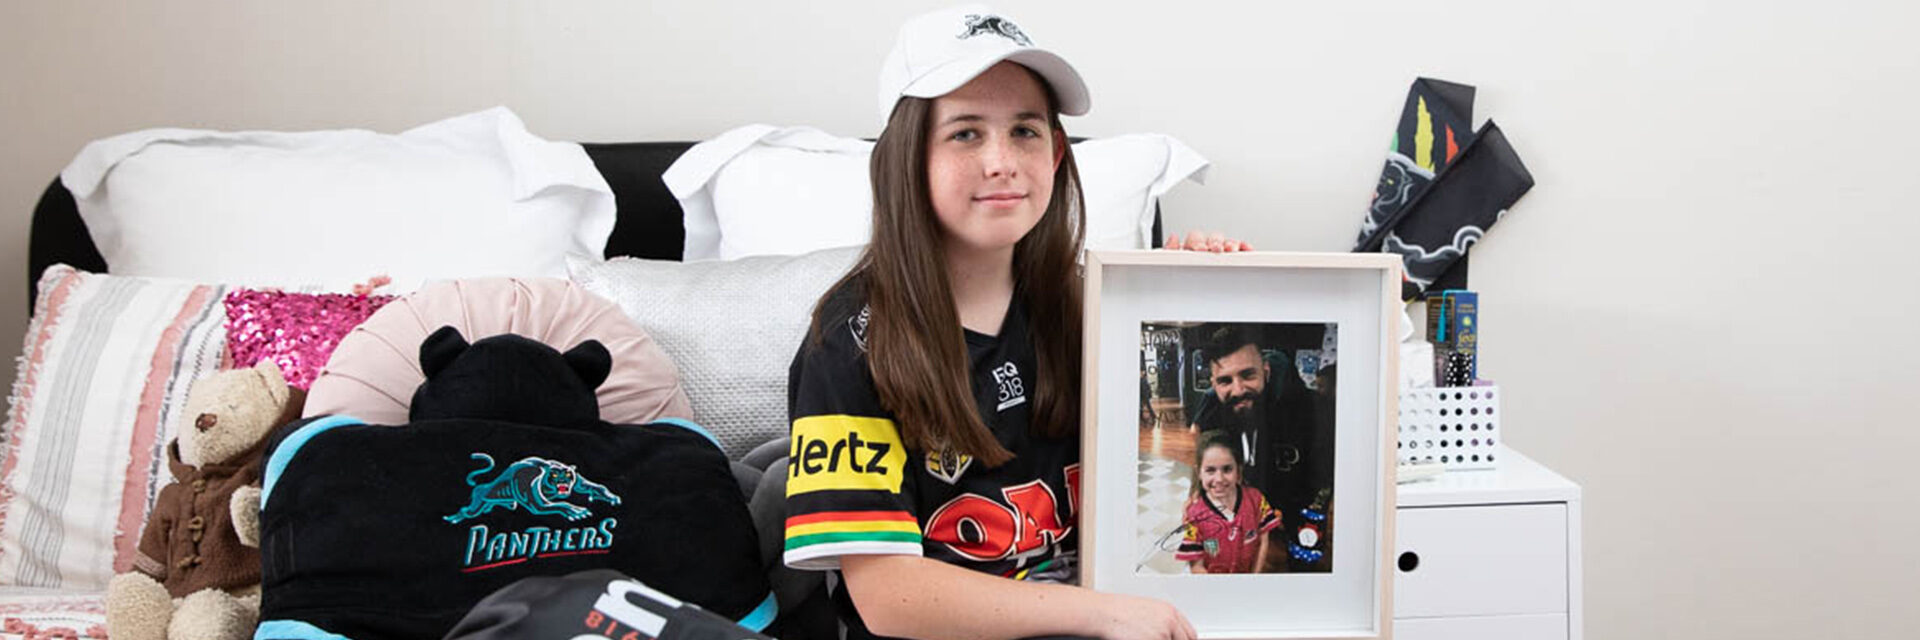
column 1489, row 555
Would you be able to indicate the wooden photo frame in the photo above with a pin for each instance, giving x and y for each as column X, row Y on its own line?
column 1217, row 440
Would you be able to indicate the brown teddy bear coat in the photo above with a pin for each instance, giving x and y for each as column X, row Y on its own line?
column 189, row 543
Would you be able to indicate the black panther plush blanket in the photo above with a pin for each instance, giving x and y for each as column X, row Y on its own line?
column 395, row 532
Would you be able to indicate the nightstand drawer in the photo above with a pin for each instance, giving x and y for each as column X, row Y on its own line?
column 1497, row 560
column 1545, row 626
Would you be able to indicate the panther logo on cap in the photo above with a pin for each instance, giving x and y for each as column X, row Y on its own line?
column 995, row 25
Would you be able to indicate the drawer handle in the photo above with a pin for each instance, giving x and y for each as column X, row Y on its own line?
column 1409, row 561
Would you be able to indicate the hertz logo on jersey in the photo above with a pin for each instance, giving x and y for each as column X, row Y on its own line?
column 845, row 452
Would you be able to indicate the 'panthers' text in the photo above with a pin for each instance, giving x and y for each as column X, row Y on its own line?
column 488, row 549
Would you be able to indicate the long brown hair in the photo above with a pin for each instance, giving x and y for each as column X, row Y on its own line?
column 916, row 348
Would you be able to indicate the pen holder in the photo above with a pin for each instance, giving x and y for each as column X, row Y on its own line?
column 1455, row 426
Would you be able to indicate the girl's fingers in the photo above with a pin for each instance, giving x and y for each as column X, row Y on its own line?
column 1204, row 241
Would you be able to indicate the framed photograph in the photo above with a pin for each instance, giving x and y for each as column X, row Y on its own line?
column 1238, row 458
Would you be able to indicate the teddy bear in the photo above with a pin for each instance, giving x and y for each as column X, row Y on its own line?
column 197, row 573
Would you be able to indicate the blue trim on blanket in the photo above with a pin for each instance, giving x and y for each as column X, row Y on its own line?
column 293, row 630
column 690, row 426
column 762, row 615
column 283, row 454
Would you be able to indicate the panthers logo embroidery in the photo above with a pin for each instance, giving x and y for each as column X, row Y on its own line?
column 858, row 325
column 947, row 464
column 995, row 25
column 536, row 484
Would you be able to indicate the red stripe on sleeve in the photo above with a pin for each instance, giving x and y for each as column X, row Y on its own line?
column 850, row 516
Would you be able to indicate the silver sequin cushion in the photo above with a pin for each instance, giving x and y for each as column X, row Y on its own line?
column 731, row 327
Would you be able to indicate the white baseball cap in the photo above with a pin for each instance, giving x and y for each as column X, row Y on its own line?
column 940, row 51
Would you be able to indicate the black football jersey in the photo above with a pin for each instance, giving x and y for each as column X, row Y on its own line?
column 853, row 487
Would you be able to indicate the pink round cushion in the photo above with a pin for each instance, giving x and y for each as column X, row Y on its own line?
column 375, row 369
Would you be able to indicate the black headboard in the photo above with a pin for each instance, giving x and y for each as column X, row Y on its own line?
column 648, row 223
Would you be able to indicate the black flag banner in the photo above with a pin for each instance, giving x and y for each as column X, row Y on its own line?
column 1442, row 188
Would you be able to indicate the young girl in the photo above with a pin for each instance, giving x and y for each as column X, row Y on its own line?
column 935, row 451
column 1227, row 522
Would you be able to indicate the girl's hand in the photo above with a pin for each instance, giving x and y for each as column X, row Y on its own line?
column 1134, row 618
column 1204, row 241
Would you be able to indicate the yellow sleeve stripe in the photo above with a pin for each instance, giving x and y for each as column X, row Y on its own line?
column 842, row 452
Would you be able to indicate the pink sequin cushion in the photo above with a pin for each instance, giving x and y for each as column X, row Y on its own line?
column 297, row 331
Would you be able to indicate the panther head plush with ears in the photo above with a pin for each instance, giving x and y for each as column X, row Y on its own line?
column 509, row 378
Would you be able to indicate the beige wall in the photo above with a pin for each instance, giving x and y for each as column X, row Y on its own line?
column 1701, row 312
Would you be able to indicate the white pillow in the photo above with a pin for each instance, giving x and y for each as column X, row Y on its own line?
column 474, row 195
column 783, row 192
column 765, row 190
column 1123, row 178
